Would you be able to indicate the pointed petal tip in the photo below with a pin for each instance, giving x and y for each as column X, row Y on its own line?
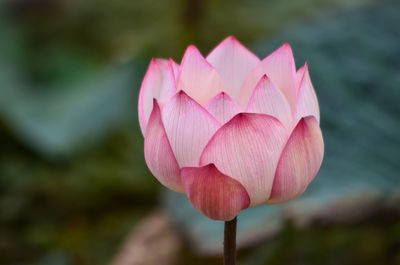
column 154, row 62
column 192, row 49
column 306, row 99
column 304, row 67
column 234, row 41
column 192, row 46
column 268, row 99
column 263, row 79
column 285, row 48
column 231, row 39
column 181, row 93
column 155, row 103
column 288, row 48
column 157, row 61
column 171, row 62
column 223, row 107
column 286, row 45
column 222, row 94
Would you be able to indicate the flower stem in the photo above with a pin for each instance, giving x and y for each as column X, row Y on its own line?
column 230, row 242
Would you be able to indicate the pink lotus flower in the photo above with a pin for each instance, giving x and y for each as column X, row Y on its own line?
column 231, row 131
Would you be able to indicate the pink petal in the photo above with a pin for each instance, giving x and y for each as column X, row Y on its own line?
column 189, row 127
column 214, row 194
column 280, row 68
column 158, row 83
column 307, row 102
column 175, row 68
column 268, row 99
column 158, row 153
column 198, row 78
column 233, row 61
column 247, row 148
column 222, row 107
column 300, row 161
column 299, row 76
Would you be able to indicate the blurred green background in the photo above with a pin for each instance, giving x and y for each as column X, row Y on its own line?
column 74, row 187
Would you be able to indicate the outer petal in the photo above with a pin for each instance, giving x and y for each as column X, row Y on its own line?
column 223, row 108
column 300, row 161
column 234, row 62
column 307, row 102
column 299, row 76
column 280, row 67
column 214, row 194
column 268, row 99
column 198, row 78
column 158, row 153
column 247, row 148
column 175, row 68
column 159, row 83
column 189, row 127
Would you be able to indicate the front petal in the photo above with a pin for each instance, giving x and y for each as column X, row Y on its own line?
column 234, row 62
column 247, row 148
column 189, row 127
column 280, row 68
column 300, row 161
column 222, row 107
column 158, row 83
column 216, row 195
column 198, row 78
column 268, row 99
column 307, row 102
column 158, row 153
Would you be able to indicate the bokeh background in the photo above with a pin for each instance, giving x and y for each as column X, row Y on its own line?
column 74, row 187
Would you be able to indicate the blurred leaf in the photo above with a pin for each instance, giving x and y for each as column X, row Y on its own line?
column 353, row 59
column 55, row 122
column 80, row 107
